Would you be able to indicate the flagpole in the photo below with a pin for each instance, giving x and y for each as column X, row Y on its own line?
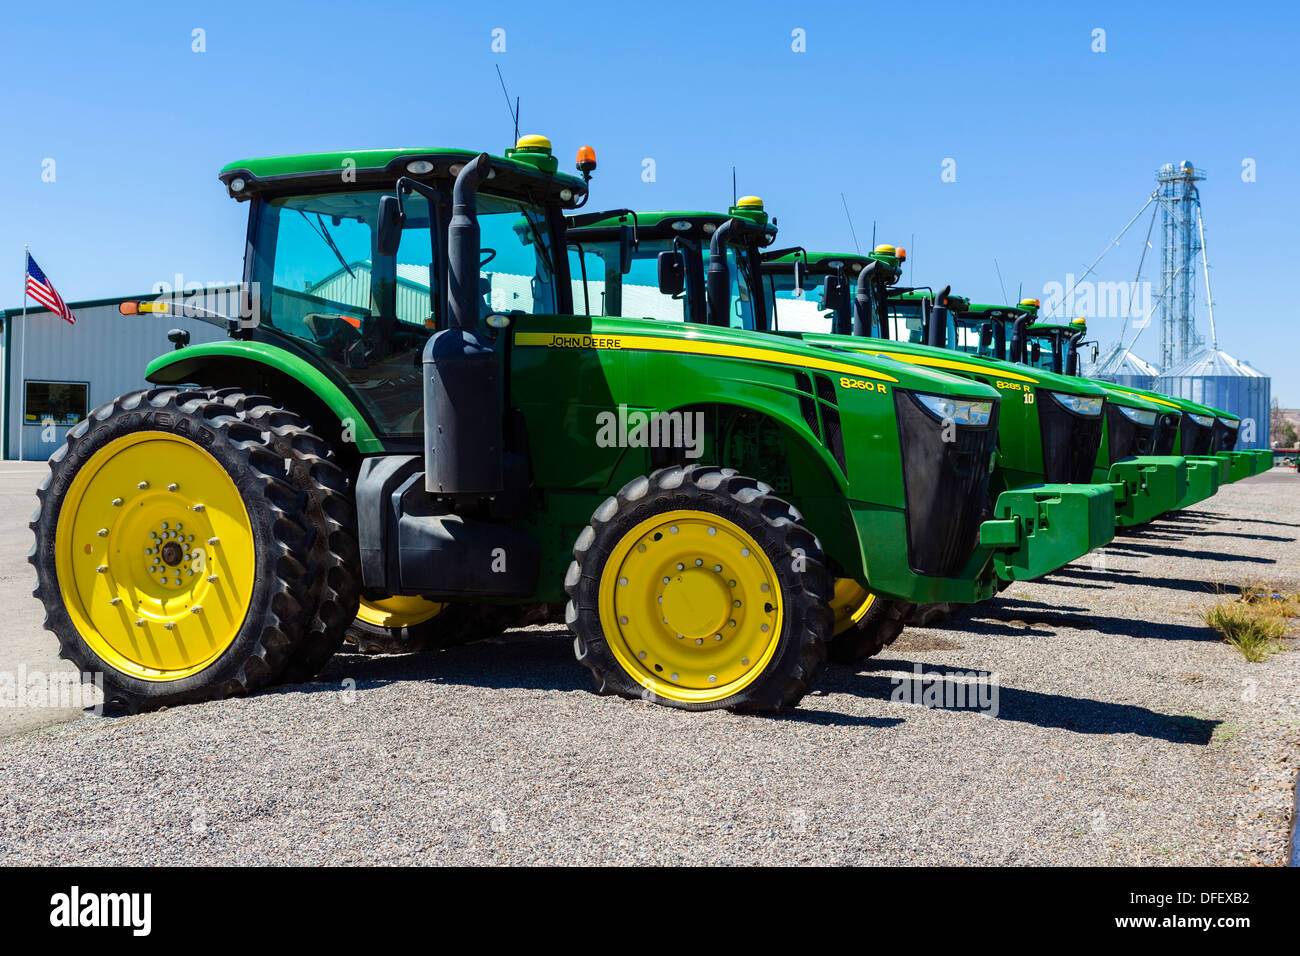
column 22, row 368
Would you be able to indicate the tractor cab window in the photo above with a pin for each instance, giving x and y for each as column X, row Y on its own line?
column 744, row 306
column 1042, row 352
column 601, row 289
column 973, row 335
column 795, row 310
column 907, row 320
column 365, row 316
column 515, row 265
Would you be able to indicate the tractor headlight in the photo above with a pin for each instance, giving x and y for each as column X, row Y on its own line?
column 960, row 410
column 1233, row 423
column 1205, row 421
column 1079, row 404
column 1139, row 415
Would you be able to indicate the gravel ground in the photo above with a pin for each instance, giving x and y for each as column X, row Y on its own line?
column 1125, row 733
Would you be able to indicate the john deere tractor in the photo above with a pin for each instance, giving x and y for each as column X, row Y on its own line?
column 409, row 414
column 712, row 270
column 1057, row 344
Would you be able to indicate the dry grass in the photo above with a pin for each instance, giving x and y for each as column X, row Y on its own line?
column 1255, row 628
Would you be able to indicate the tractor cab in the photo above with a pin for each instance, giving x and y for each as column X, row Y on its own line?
column 672, row 266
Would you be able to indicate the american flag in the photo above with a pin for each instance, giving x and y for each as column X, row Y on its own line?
column 42, row 290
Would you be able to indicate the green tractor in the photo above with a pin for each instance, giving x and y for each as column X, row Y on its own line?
column 408, row 416
column 1058, row 344
column 999, row 330
column 715, row 270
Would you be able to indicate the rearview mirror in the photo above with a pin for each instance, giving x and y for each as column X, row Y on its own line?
column 672, row 272
column 391, row 222
column 986, row 335
column 626, row 245
column 799, row 271
column 1035, row 352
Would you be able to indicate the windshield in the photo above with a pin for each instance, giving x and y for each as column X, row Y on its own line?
column 974, row 336
column 806, row 309
column 1042, row 351
column 367, row 316
column 606, row 291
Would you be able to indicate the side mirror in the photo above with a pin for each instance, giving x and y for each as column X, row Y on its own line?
column 626, row 245
column 391, row 222
column 1035, row 352
column 835, row 294
column 986, row 335
column 800, row 271
column 672, row 272
column 1094, row 353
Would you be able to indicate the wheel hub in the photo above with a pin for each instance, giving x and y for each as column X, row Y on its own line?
column 689, row 604
column 155, row 555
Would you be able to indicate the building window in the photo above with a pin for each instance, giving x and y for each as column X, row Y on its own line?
column 63, row 403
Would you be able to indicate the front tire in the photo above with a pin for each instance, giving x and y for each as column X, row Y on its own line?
column 697, row 588
column 165, row 541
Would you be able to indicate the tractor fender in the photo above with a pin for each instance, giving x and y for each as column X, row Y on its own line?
column 267, row 369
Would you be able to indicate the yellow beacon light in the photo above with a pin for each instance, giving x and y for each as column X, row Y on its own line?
column 884, row 249
column 749, row 202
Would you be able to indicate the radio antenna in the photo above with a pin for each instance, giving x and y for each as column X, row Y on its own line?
column 852, row 231
column 514, row 110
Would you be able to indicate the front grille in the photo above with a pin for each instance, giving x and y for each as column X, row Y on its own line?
column 1225, row 438
column 1197, row 439
column 1070, row 443
column 1127, row 437
column 945, row 484
column 1166, row 432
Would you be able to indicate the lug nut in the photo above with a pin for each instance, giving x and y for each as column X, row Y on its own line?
column 197, row 609
column 212, row 541
column 115, row 602
column 169, row 626
column 139, row 622
column 212, row 579
column 196, row 508
column 173, row 486
column 143, row 485
column 102, row 569
column 102, row 532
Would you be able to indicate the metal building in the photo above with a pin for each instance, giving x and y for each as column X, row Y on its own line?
column 54, row 372
column 1124, row 367
column 1219, row 380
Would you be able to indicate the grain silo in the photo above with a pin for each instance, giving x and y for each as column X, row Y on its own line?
column 1219, row 380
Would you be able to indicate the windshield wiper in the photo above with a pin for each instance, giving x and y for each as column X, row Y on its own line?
column 329, row 241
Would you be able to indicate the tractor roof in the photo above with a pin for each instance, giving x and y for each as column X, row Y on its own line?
column 525, row 166
column 666, row 224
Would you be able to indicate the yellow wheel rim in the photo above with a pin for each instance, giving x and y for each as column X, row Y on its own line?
column 398, row 611
column 154, row 555
column 850, row 602
column 690, row 606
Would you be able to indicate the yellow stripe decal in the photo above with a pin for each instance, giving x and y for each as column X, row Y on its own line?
column 655, row 343
column 930, row 362
column 1146, row 398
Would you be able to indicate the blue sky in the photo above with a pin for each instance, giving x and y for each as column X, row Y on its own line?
column 1055, row 146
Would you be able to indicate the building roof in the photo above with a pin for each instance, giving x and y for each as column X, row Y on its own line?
column 1214, row 363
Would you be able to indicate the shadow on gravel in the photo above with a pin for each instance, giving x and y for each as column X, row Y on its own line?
column 525, row 660
column 1137, row 578
column 1248, row 537
column 1077, row 714
column 991, row 619
column 1139, row 550
column 1218, row 517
